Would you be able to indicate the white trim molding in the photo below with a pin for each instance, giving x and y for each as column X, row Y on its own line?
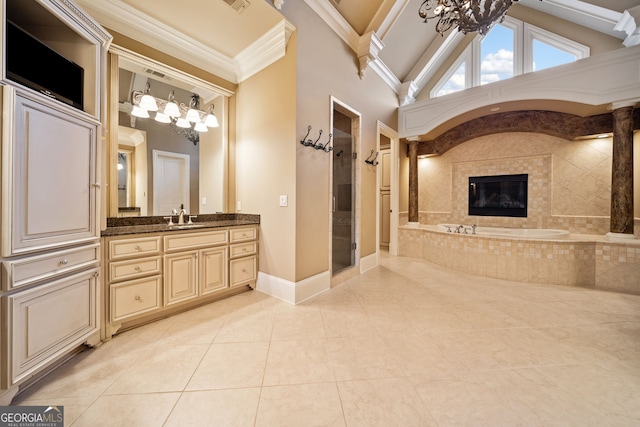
column 293, row 292
column 369, row 45
column 126, row 20
column 598, row 80
column 629, row 24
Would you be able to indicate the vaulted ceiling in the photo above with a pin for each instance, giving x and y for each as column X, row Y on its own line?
column 234, row 39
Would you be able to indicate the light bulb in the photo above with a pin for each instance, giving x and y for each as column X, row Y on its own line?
column 139, row 112
column 183, row 123
column 201, row 127
column 172, row 109
column 148, row 103
column 211, row 121
column 162, row 118
column 193, row 115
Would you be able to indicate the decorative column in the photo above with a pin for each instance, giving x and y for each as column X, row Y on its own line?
column 413, row 182
column 622, row 173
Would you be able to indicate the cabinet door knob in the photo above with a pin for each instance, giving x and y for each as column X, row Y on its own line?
column 96, row 185
column 138, row 298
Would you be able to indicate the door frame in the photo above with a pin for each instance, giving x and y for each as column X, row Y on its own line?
column 184, row 159
column 356, row 126
column 383, row 129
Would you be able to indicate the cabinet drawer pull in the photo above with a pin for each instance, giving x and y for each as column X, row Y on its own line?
column 244, row 270
column 138, row 298
column 137, row 248
column 64, row 261
column 137, row 268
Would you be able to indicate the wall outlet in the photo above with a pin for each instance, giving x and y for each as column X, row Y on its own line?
column 284, row 200
column 239, row 206
column 204, row 201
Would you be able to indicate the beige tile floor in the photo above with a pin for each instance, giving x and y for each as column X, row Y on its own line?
column 405, row 344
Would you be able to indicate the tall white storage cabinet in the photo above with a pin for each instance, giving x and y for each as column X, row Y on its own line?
column 51, row 89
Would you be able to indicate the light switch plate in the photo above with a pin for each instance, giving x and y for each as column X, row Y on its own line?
column 284, row 201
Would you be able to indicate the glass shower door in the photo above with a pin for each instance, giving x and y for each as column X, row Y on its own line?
column 343, row 223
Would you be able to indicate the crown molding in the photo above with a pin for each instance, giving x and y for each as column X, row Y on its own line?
column 264, row 51
column 126, row 20
column 336, row 22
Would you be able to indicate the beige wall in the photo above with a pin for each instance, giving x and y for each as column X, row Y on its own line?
column 327, row 67
column 569, row 181
column 265, row 160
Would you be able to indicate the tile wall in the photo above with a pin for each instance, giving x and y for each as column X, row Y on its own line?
column 569, row 181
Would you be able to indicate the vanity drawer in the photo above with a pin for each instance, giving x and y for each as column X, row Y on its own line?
column 242, row 249
column 178, row 242
column 242, row 271
column 243, row 234
column 135, row 297
column 31, row 269
column 131, row 247
column 134, row 268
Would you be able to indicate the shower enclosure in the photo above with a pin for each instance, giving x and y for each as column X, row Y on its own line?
column 343, row 224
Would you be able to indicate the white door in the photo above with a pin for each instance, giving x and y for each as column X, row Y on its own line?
column 170, row 182
column 385, row 198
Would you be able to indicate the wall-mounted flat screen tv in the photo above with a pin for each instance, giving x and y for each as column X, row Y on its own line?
column 500, row 195
column 35, row 65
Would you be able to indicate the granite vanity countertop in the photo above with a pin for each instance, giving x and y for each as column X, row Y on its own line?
column 155, row 224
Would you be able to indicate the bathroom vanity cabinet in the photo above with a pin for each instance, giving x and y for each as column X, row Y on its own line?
column 153, row 275
column 49, row 241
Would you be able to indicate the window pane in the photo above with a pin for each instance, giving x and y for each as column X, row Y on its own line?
column 545, row 56
column 496, row 51
column 455, row 83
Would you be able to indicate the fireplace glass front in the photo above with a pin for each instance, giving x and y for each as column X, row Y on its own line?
column 500, row 195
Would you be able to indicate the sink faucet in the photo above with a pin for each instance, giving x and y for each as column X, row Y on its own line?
column 180, row 215
column 183, row 212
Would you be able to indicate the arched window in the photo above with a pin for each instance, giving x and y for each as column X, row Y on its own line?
column 512, row 47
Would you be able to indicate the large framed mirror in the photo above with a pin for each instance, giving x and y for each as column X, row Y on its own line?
column 155, row 165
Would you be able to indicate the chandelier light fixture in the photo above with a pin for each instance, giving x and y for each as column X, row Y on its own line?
column 467, row 15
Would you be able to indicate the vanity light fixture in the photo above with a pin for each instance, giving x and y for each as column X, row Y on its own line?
column 211, row 120
column 147, row 101
column 172, row 109
column 184, row 117
column 193, row 115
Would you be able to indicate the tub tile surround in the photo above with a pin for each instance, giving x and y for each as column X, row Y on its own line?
column 580, row 260
column 569, row 189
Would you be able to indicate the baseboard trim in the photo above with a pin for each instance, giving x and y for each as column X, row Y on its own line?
column 368, row 262
column 293, row 292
